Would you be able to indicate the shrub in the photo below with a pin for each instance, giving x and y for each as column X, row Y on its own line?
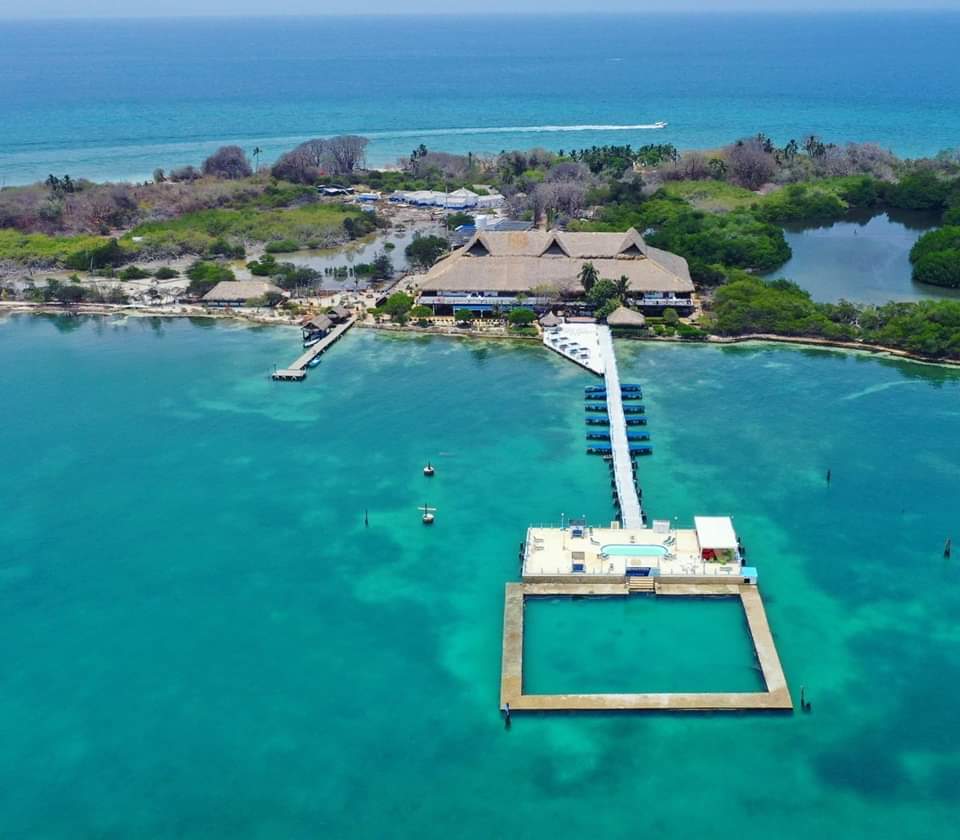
column 397, row 306
column 166, row 273
column 521, row 317
column 463, row 316
column 421, row 311
column 424, row 251
column 264, row 267
column 133, row 273
column 922, row 190
column 691, row 333
column 282, row 246
column 941, row 268
column 110, row 254
column 228, row 162
column 205, row 275
column 454, row 220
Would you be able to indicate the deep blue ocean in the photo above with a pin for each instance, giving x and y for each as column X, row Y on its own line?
column 117, row 99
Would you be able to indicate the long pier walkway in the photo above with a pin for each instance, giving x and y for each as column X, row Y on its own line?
column 631, row 514
column 298, row 370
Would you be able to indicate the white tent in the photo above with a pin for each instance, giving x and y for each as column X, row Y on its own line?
column 717, row 539
column 715, row 532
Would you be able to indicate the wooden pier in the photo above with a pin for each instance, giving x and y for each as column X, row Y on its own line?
column 298, row 370
column 631, row 514
column 776, row 697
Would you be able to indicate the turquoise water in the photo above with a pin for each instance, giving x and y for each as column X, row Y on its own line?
column 200, row 638
column 637, row 644
column 634, row 550
column 115, row 99
column 865, row 258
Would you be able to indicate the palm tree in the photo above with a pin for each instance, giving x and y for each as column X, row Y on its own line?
column 588, row 276
column 257, row 151
column 623, row 287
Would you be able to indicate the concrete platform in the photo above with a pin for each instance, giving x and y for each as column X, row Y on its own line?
column 776, row 696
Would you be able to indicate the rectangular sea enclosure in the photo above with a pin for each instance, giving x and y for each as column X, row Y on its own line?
column 637, row 644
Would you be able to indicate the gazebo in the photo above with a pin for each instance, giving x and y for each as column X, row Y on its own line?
column 624, row 318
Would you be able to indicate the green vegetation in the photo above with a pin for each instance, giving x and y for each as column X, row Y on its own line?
column 380, row 269
column 166, row 273
column 207, row 232
column 463, row 316
column 617, row 159
column 107, row 255
column 936, row 257
column 748, row 305
column 205, row 275
column 285, row 274
column 424, row 251
column 521, row 317
column 397, row 306
column 43, row 249
column 132, row 272
column 738, row 239
column 421, row 311
column 454, row 220
column 282, row 246
column 55, row 291
column 710, row 195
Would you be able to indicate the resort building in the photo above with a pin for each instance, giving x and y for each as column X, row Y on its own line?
column 711, row 549
column 498, row 270
column 462, row 199
column 239, row 292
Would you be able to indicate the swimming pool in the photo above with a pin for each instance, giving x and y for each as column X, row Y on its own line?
column 634, row 550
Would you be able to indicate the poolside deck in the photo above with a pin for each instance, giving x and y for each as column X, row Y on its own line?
column 776, row 696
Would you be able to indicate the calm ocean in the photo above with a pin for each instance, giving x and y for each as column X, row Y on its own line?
column 117, row 99
column 200, row 638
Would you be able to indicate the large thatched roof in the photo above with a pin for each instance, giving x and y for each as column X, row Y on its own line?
column 232, row 291
column 525, row 260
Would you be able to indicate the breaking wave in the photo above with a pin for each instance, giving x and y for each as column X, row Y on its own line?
column 512, row 129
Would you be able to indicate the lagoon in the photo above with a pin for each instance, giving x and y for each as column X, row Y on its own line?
column 201, row 639
column 864, row 258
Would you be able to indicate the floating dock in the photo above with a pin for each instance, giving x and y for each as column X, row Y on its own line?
column 775, row 697
column 298, row 370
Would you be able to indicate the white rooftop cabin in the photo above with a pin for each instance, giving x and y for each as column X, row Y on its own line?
column 709, row 549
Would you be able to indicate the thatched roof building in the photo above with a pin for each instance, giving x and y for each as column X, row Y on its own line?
column 500, row 265
column 623, row 317
column 319, row 323
column 238, row 292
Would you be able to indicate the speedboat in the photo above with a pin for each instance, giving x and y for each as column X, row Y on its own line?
column 314, row 339
column 660, row 124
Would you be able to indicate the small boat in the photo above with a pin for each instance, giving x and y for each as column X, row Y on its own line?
column 427, row 517
column 314, row 362
column 428, row 470
column 660, row 124
column 309, row 342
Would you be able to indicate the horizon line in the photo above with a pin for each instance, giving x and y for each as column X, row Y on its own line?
column 682, row 12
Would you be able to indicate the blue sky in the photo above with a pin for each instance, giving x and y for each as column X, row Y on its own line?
column 132, row 8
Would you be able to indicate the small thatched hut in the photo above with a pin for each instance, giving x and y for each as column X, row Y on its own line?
column 628, row 319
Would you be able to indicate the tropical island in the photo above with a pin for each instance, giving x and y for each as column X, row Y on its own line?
column 164, row 246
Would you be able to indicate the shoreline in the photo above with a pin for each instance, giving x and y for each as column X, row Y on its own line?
column 185, row 311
